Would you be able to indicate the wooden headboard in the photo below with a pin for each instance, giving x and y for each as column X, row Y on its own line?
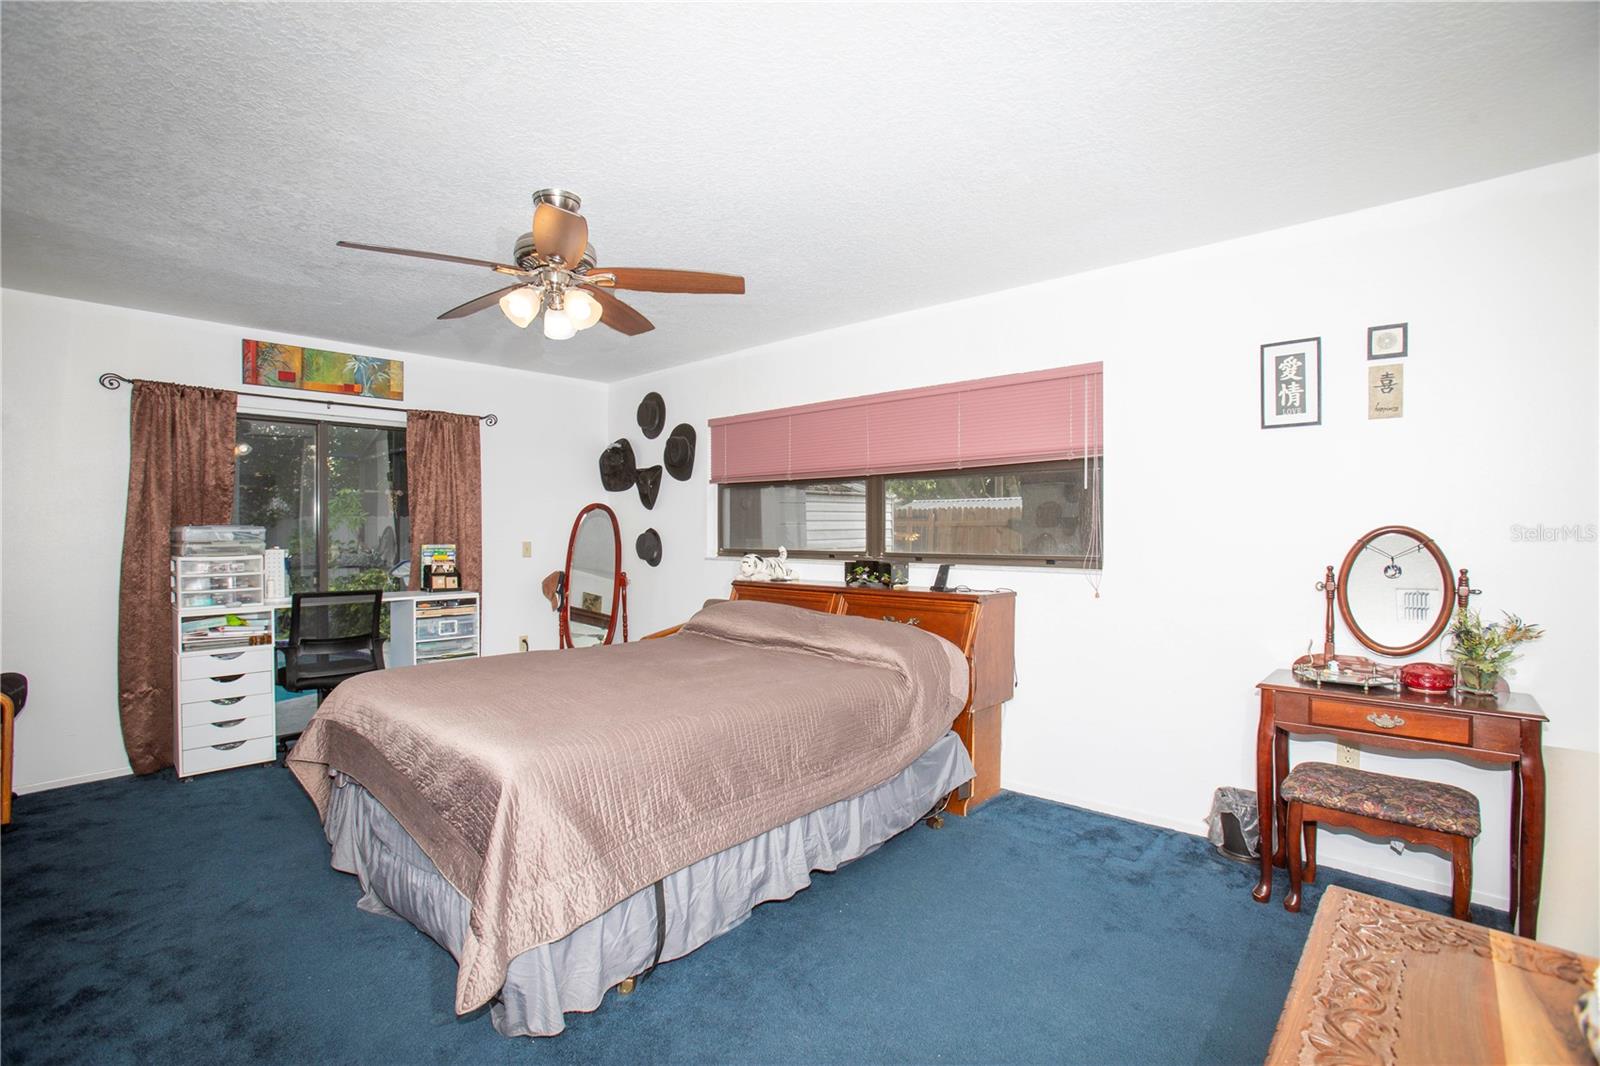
column 981, row 624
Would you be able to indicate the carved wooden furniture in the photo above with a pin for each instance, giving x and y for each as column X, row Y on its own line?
column 1504, row 730
column 1383, row 983
column 1418, row 812
column 981, row 624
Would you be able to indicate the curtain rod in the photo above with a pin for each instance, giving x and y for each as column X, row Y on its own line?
column 116, row 381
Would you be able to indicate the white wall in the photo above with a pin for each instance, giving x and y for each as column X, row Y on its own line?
column 63, row 481
column 1141, row 700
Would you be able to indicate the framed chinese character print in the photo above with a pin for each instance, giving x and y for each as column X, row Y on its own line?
column 1291, row 383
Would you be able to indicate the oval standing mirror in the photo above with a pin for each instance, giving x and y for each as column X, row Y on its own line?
column 594, row 579
column 1395, row 591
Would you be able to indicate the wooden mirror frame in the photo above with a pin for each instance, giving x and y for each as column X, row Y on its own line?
column 619, row 580
column 1447, row 609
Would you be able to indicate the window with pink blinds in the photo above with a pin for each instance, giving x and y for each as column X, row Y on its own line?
column 1019, row 418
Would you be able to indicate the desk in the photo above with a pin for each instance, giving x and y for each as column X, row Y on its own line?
column 1502, row 731
column 1381, row 982
column 427, row 626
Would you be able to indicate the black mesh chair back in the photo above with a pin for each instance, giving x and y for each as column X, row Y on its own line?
column 332, row 636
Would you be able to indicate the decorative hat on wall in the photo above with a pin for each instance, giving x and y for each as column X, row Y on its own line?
column 617, row 466
column 649, row 547
column 649, row 481
column 652, row 415
column 680, row 451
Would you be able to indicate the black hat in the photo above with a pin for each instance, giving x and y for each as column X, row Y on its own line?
column 649, row 481
column 680, row 451
column 652, row 415
column 649, row 547
column 617, row 467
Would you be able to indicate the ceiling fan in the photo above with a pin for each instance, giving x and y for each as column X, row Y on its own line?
column 554, row 265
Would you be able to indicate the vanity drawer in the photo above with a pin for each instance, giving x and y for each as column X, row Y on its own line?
column 196, row 689
column 952, row 620
column 228, row 730
column 224, row 708
column 232, row 753
column 224, row 663
column 1397, row 722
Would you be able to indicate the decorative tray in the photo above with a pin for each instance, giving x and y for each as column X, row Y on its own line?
column 1351, row 670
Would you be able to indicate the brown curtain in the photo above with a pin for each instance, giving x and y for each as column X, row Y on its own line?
column 180, row 474
column 443, row 475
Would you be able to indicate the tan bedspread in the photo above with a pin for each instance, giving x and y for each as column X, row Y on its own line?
column 549, row 786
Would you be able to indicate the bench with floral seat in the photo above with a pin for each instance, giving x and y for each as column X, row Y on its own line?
column 1382, row 805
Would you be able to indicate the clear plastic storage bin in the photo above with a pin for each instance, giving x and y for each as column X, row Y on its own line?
column 219, row 540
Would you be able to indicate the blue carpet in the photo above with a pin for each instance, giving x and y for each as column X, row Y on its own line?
column 146, row 920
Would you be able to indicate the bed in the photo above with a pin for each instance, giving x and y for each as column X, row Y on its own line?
column 539, row 815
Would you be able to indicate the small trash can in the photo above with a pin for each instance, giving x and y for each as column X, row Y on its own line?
column 1235, row 825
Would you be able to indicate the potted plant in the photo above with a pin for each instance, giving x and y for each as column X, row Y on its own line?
column 1483, row 653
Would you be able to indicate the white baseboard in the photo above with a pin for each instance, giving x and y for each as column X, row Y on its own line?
column 1197, row 828
column 81, row 779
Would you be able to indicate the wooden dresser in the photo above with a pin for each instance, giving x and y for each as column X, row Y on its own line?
column 981, row 624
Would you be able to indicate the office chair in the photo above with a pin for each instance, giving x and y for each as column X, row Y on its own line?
column 333, row 636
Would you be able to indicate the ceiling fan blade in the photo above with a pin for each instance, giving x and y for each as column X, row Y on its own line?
column 557, row 232
column 473, row 306
column 618, row 315
column 650, row 279
column 503, row 268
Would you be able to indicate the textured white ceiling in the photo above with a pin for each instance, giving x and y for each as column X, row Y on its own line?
column 850, row 160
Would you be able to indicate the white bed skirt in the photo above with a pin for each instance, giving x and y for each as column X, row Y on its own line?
column 704, row 900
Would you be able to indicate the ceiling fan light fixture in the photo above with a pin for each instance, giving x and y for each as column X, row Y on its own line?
column 581, row 308
column 521, row 306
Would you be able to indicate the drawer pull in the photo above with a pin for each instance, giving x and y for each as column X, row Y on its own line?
column 226, row 655
column 227, row 678
column 229, row 724
column 1386, row 721
column 227, row 701
column 227, row 747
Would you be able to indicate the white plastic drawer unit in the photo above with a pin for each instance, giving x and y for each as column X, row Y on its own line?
column 436, row 628
column 223, row 663
column 446, row 648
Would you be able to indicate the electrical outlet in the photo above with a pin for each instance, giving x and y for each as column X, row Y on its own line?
column 1348, row 755
column 527, row 553
column 522, row 643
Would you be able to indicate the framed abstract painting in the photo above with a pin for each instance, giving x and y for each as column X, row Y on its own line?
column 1291, row 383
column 288, row 366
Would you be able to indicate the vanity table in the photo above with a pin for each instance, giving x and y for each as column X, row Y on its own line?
column 1396, row 595
column 1502, row 730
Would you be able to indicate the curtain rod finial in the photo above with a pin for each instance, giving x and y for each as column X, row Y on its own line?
column 491, row 419
column 113, row 381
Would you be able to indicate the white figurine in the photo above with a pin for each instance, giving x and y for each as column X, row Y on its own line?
column 754, row 568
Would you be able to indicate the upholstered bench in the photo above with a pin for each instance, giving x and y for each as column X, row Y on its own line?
column 1402, row 808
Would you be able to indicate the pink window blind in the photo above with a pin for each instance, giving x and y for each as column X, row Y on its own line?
column 1019, row 418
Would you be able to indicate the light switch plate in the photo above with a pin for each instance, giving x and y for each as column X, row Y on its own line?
column 527, row 549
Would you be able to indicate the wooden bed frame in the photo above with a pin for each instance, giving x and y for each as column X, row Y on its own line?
column 981, row 624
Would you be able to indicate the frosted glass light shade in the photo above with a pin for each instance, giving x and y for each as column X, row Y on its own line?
column 557, row 326
column 583, row 309
column 520, row 306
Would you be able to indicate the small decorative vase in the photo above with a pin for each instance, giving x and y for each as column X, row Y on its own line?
column 1478, row 680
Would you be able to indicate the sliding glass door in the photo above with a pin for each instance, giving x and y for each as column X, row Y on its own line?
column 331, row 494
